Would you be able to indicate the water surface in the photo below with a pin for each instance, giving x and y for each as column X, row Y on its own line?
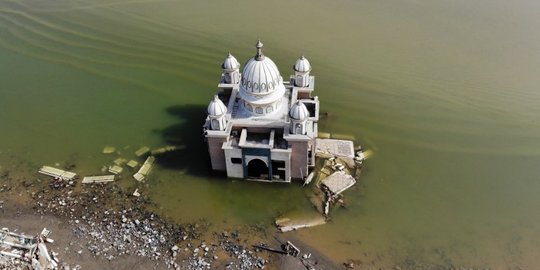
column 444, row 92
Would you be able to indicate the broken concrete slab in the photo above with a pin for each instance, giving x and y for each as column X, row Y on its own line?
column 295, row 222
column 145, row 169
column 334, row 147
column 132, row 163
column 338, row 182
column 166, row 149
column 142, row 151
column 120, row 161
column 115, row 169
column 57, row 173
column 98, row 179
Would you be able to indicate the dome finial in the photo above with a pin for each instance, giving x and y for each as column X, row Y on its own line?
column 260, row 55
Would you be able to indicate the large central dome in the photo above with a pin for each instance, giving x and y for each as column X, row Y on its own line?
column 261, row 86
column 260, row 74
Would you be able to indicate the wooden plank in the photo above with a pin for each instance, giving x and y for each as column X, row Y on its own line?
column 145, row 169
column 57, row 173
column 98, row 179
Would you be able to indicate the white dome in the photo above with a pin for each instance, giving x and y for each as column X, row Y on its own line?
column 299, row 111
column 230, row 63
column 260, row 75
column 302, row 65
column 216, row 107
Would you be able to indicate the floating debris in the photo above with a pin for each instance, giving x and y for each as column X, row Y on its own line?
column 132, row 163
column 286, row 224
column 309, row 178
column 57, row 173
column 109, row 149
column 145, row 169
column 115, row 169
column 98, row 179
column 142, row 151
column 120, row 161
column 165, row 149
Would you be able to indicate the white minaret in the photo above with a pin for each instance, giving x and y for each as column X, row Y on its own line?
column 231, row 70
column 299, row 115
column 216, row 112
column 301, row 72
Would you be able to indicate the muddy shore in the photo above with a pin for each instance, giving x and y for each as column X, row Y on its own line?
column 103, row 226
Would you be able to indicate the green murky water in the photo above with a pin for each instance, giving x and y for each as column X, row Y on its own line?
column 445, row 92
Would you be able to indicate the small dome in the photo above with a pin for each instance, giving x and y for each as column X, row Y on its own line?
column 230, row 63
column 260, row 75
column 216, row 107
column 302, row 65
column 299, row 111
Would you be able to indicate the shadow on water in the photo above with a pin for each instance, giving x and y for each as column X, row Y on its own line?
column 187, row 134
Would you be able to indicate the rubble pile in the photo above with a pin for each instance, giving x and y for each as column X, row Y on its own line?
column 113, row 223
column 19, row 251
column 247, row 259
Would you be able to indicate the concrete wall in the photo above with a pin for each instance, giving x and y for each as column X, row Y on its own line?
column 299, row 160
column 217, row 157
column 283, row 155
column 233, row 170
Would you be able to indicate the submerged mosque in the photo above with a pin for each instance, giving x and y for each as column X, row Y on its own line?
column 260, row 127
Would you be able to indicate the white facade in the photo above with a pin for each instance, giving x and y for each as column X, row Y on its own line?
column 260, row 127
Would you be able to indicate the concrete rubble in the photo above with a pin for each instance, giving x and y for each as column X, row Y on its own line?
column 336, row 171
column 19, row 251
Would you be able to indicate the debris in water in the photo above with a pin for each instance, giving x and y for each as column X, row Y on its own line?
column 145, row 169
column 57, row 173
column 109, row 149
column 120, row 161
column 98, row 179
column 115, row 169
column 165, row 149
column 142, row 151
column 132, row 163
column 286, row 224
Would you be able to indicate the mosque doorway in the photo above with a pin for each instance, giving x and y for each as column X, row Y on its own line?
column 257, row 169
